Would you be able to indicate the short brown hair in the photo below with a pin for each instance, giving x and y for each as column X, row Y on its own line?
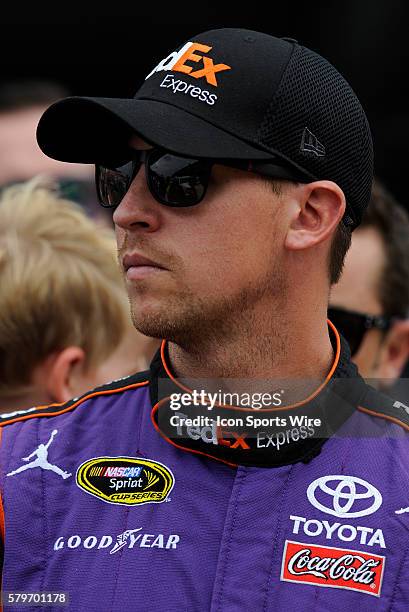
column 391, row 220
column 25, row 93
column 339, row 248
column 60, row 284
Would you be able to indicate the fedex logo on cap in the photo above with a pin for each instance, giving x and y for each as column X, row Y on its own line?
column 177, row 62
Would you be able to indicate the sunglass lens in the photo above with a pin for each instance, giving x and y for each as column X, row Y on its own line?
column 177, row 181
column 350, row 325
column 113, row 183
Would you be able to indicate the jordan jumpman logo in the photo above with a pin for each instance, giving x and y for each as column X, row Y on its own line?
column 42, row 460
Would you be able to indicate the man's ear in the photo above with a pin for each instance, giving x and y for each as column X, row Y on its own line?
column 395, row 352
column 318, row 209
column 63, row 371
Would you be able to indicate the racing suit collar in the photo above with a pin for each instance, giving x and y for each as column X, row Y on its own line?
column 232, row 435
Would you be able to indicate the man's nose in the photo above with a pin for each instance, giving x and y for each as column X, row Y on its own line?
column 138, row 209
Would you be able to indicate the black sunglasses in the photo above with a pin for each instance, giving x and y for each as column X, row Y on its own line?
column 174, row 180
column 354, row 325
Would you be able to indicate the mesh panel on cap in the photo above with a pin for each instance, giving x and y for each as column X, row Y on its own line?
column 313, row 95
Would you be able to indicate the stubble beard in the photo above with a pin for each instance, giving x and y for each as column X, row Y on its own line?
column 191, row 321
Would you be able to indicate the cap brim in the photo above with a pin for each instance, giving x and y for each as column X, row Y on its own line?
column 95, row 130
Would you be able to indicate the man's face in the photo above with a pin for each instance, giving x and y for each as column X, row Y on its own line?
column 216, row 259
column 358, row 290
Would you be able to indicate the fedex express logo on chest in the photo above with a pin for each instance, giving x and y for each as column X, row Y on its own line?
column 192, row 59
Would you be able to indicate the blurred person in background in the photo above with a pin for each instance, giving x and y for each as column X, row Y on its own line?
column 64, row 320
column 21, row 105
column 370, row 303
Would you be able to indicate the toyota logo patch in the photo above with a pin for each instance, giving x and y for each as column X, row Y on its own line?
column 344, row 496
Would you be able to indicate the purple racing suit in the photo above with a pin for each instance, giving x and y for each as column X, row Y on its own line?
column 120, row 511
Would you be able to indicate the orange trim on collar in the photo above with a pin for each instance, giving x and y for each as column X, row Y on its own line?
column 289, row 407
column 84, row 398
column 386, row 417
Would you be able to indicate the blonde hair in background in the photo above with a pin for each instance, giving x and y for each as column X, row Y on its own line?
column 60, row 283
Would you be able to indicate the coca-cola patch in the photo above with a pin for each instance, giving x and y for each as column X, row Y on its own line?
column 332, row 567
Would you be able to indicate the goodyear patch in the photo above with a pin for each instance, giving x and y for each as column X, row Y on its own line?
column 128, row 481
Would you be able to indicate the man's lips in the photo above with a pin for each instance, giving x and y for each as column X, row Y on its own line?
column 138, row 266
column 134, row 260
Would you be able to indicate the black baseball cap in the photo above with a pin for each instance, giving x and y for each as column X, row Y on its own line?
column 234, row 94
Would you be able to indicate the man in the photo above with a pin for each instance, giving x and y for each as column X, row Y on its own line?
column 370, row 303
column 21, row 105
column 55, row 270
column 237, row 173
